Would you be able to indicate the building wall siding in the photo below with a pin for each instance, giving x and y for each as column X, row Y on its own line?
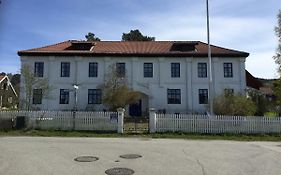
column 155, row 87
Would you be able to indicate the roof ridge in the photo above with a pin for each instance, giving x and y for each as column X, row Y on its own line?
column 46, row 46
column 2, row 77
column 131, row 47
column 233, row 50
column 145, row 41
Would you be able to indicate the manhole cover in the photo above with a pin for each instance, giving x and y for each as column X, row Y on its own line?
column 86, row 159
column 130, row 156
column 279, row 145
column 119, row 171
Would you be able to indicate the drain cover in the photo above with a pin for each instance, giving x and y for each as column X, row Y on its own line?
column 130, row 156
column 86, row 159
column 119, row 171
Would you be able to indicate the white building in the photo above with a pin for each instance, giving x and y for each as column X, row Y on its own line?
column 171, row 75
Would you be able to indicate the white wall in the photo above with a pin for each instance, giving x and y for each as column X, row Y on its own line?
column 155, row 87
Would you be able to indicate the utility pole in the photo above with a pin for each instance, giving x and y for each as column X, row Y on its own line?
column 210, row 63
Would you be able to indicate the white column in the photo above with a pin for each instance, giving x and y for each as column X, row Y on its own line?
column 107, row 63
column 1, row 98
column 152, row 120
column 50, row 78
column 242, row 76
column 161, row 72
column 135, row 72
column 189, row 97
column 216, row 74
column 120, row 119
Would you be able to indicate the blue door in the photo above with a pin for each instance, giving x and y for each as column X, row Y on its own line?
column 135, row 109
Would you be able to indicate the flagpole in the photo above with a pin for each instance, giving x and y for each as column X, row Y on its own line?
column 210, row 62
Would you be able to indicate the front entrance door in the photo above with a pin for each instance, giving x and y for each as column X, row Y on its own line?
column 135, row 109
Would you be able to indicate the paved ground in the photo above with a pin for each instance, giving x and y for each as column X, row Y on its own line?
column 46, row 156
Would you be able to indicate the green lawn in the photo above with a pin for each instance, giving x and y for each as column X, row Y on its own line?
column 236, row 137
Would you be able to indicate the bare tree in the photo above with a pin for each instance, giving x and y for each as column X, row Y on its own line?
column 115, row 90
column 32, row 82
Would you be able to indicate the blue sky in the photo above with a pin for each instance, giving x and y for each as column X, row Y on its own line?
column 246, row 25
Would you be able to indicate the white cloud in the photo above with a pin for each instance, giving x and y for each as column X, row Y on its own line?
column 253, row 35
column 262, row 65
column 187, row 22
column 11, row 67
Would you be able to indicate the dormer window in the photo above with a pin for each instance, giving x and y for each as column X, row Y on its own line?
column 84, row 46
column 183, row 47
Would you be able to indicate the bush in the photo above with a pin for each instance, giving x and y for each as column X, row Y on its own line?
column 234, row 105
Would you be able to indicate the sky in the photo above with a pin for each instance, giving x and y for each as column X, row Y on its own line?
column 245, row 25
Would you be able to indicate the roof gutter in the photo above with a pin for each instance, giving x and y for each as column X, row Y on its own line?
column 23, row 53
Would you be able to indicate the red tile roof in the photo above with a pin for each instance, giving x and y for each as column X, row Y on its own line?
column 131, row 48
column 2, row 76
column 252, row 81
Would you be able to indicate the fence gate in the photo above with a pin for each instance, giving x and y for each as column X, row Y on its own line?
column 136, row 124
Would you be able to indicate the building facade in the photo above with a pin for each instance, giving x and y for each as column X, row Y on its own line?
column 171, row 76
column 8, row 95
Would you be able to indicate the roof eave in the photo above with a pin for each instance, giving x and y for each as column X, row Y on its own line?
column 24, row 53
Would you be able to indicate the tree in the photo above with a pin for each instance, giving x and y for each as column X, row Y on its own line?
column 277, row 58
column 277, row 93
column 15, row 80
column 32, row 82
column 234, row 105
column 91, row 37
column 115, row 90
column 261, row 102
column 136, row 35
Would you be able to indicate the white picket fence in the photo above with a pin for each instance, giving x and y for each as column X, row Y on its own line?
column 63, row 120
column 216, row 124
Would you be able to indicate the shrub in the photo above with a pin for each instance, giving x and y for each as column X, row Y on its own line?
column 234, row 105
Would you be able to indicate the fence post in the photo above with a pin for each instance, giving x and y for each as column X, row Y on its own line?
column 120, row 119
column 152, row 120
column 73, row 120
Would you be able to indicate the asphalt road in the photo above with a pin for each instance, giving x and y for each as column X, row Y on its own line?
column 55, row 156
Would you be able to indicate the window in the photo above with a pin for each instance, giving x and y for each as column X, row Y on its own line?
column 148, row 70
column 94, row 96
column 175, row 69
column 65, row 69
column 38, row 69
column 228, row 92
column 37, row 96
column 203, row 96
column 10, row 100
column 174, row 96
column 120, row 68
column 227, row 67
column 93, row 69
column 5, row 86
column 64, row 96
column 202, row 70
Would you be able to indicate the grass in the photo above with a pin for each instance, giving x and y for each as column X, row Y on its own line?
column 189, row 136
